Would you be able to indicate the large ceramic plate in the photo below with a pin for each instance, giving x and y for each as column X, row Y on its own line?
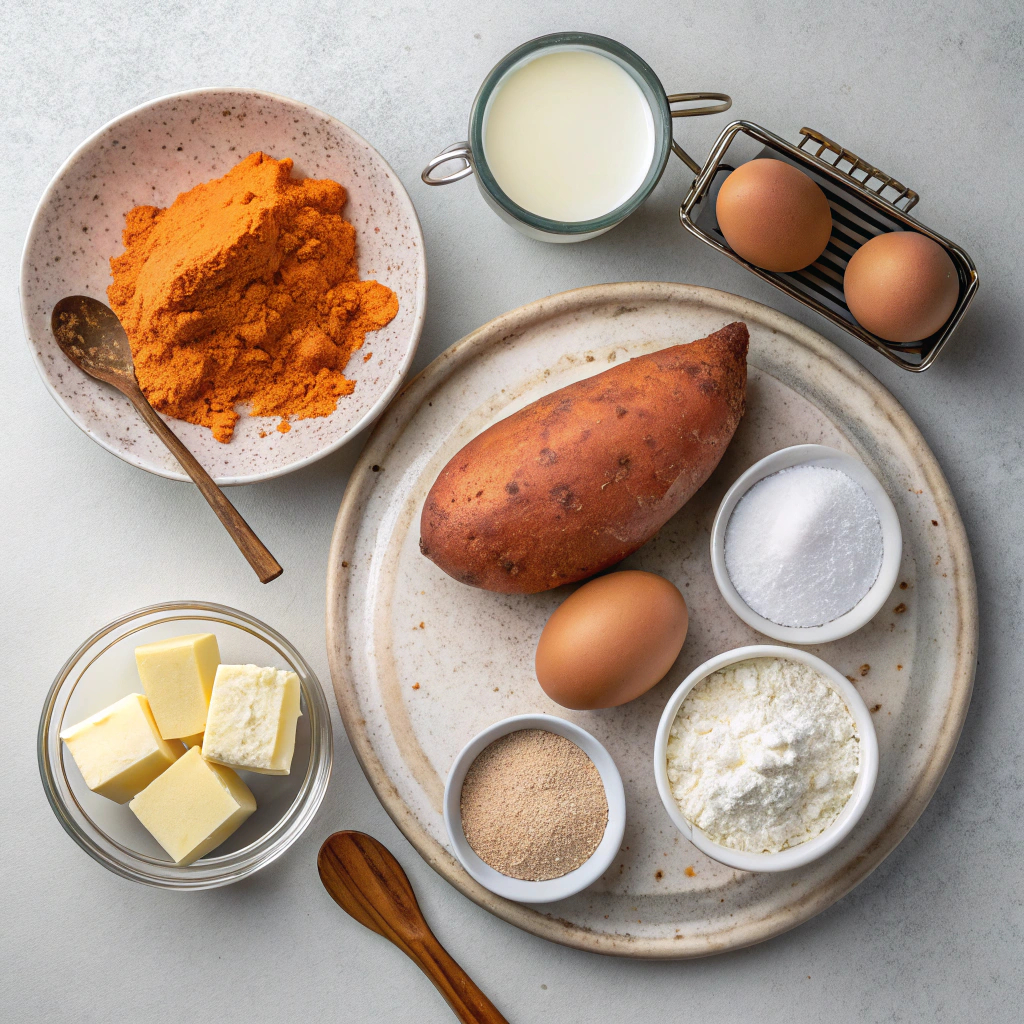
column 148, row 156
column 395, row 620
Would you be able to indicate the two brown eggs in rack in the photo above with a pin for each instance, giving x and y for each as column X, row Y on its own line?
column 902, row 286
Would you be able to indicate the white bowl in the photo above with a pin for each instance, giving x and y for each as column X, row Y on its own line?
column 892, row 544
column 851, row 813
column 148, row 156
column 550, row 889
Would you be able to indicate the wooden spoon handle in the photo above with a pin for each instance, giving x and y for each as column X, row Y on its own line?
column 367, row 882
column 256, row 553
column 461, row 993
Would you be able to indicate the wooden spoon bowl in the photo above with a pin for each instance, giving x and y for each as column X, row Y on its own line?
column 366, row 881
column 91, row 336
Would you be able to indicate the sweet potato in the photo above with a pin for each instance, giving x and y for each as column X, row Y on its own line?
column 581, row 478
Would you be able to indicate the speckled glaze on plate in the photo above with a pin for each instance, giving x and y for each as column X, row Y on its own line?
column 149, row 156
column 395, row 620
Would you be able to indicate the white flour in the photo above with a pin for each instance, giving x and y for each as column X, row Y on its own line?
column 763, row 755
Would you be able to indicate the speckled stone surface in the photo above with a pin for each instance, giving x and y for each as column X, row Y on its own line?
column 148, row 157
column 927, row 91
column 421, row 663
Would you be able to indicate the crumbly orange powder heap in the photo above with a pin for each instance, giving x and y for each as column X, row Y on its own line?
column 245, row 291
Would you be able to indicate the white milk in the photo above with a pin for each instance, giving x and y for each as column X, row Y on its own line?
column 569, row 135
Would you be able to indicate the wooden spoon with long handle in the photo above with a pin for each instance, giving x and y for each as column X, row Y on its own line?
column 91, row 336
column 366, row 881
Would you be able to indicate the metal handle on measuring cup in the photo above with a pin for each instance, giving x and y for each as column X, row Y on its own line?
column 458, row 151
column 725, row 102
column 462, row 151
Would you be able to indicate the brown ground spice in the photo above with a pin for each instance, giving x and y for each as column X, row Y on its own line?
column 245, row 291
column 533, row 805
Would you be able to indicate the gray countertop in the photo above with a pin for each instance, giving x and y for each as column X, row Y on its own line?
column 930, row 92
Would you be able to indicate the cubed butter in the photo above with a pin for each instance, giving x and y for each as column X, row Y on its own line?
column 252, row 717
column 177, row 676
column 193, row 807
column 119, row 750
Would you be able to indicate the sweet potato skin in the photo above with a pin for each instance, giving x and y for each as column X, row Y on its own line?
column 581, row 478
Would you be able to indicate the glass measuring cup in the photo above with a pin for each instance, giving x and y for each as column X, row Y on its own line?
column 472, row 158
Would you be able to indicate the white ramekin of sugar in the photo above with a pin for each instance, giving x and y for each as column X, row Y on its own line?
column 809, row 668
column 801, row 554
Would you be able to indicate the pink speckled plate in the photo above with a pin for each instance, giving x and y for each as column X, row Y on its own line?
column 395, row 620
column 151, row 154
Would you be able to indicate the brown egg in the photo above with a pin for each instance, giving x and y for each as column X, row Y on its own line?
column 901, row 286
column 774, row 215
column 611, row 640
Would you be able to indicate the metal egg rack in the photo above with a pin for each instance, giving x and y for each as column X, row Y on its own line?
column 865, row 202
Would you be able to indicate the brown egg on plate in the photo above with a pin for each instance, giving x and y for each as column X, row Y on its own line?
column 901, row 286
column 611, row 640
column 774, row 215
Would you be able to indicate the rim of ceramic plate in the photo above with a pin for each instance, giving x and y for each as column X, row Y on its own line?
column 846, row 877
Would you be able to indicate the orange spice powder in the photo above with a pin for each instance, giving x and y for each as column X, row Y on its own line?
column 245, row 291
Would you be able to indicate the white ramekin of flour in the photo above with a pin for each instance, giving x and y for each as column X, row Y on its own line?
column 763, row 752
column 805, row 568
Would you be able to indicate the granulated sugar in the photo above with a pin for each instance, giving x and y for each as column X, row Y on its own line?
column 533, row 805
column 804, row 546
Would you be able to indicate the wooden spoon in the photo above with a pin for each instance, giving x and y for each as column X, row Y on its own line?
column 91, row 336
column 366, row 881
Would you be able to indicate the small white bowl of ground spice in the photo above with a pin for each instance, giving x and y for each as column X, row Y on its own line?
column 765, row 758
column 535, row 808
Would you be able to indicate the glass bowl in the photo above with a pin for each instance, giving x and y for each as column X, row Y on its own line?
column 103, row 670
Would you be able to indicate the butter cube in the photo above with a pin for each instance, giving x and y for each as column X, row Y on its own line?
column 251, row 723
column 193, row 807
column 119, row 750
column 177, row 676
